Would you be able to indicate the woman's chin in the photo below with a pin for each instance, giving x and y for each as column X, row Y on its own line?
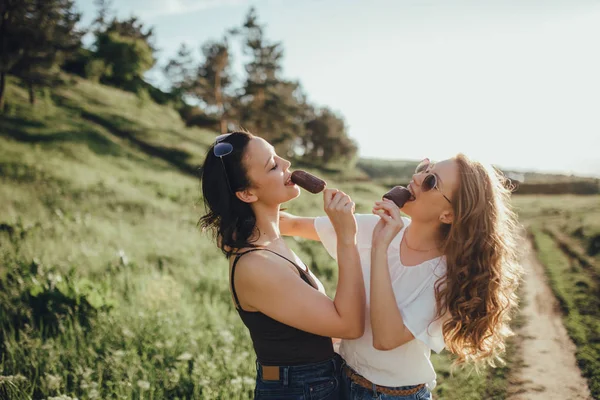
column 294, row 191
column 297, row 191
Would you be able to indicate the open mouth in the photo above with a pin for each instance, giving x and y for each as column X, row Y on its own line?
column 289, row 182
column 412, row 193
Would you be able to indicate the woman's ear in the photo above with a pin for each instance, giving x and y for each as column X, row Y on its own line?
column 447, row 217
column 246, row 196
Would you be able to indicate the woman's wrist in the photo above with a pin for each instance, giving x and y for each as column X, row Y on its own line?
column 347, row 241
column 380, row 247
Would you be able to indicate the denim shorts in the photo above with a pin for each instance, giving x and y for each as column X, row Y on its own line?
column 318, row 381
column 353, row 391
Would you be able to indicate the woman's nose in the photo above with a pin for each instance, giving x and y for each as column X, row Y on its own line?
column 417, row 178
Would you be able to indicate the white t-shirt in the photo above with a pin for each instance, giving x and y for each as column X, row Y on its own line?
column 413, row 287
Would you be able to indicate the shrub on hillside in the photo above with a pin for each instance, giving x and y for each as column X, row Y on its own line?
column 126, row 58
column 195, row 116
column 594, row 246
column 44, row 299
column 78, row 62
column 95, row 69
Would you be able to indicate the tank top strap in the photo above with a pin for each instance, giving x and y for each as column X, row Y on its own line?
column 237, row 258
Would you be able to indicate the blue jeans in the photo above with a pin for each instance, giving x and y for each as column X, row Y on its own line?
column 319, row 381
column 353, row 391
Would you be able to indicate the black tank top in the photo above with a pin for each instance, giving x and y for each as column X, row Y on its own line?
column 276, row 343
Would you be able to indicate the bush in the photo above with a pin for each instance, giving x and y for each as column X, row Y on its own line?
column 195, row 116
column 45, row 299
column 77, row 63
column 128, row 58
column 594, row 246
column 95, row 70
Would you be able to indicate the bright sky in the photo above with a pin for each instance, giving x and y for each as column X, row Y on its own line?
column 511, row 82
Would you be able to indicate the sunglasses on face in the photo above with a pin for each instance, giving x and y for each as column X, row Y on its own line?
column 222, row 149
column 431, row 180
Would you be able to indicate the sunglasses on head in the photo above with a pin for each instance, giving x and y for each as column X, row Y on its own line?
column 222, row 149
column 431, row 180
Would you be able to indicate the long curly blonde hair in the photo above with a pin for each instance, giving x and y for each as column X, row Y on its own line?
column 479, row 289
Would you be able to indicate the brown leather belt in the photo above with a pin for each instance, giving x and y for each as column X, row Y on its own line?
column 364, row 382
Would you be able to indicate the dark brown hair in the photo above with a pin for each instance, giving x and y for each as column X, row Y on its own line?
column 231, row 221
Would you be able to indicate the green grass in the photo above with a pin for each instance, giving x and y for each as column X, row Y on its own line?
column 107, row 287
column 78, row 198
column 488, row 383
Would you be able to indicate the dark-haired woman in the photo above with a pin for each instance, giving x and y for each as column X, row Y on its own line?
column 283, row 305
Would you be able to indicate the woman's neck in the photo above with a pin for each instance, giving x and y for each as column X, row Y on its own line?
column 267, row 224
column 422, row 237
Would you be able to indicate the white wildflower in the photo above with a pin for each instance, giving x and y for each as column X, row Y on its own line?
column 227, row 336
column 53, row 382
column 144, row 385
column 185, row 357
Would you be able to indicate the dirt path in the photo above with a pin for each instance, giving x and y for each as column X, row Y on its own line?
column 549, row 368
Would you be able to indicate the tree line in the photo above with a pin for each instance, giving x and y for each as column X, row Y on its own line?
column 36, row 37
column 39, row 39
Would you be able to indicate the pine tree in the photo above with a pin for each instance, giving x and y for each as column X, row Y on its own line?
column 48, row 37
column 268, row 104
column 262, row 72
column 214, row 78
column 35, row 38
column 12, row 18
column 103, row 15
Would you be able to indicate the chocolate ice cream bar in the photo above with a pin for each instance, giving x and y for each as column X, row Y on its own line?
column 399, row 195
column 308, row 181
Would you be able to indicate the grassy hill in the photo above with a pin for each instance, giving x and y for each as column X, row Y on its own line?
column 107, row 287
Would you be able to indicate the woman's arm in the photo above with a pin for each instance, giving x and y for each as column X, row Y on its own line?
column 292, row 225
column 387, row 324
column 277, row 292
